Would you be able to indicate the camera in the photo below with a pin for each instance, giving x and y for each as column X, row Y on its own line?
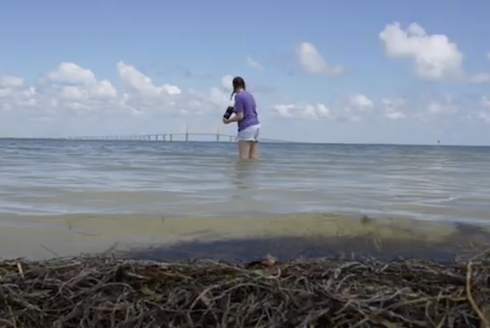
column 228, row 112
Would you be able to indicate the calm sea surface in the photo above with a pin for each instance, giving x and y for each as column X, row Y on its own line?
column 204, row 179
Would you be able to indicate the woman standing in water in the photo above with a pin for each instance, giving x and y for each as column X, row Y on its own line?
column 245, row 113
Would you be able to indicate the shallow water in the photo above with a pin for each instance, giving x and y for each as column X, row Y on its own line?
column 45, row 182
column 202, row 179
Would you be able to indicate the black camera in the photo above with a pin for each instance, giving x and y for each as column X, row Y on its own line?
column 228, row 112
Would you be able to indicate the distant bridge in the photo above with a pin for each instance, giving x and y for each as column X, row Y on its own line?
column 157, row 136
column 168, row 137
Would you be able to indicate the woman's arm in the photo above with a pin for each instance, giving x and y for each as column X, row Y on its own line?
column 237, row 117
column 237, row 110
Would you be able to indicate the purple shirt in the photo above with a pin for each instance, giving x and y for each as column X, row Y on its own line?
column 245, row 102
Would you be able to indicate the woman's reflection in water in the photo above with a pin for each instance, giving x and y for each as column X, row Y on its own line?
column 244, row 178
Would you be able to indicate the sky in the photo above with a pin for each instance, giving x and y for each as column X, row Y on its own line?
column 410, row 72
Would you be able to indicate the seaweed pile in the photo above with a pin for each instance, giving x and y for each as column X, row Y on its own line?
column 94, row 292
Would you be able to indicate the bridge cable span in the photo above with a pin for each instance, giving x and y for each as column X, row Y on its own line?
column 180, row 136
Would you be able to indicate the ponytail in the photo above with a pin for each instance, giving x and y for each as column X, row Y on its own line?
column 237, row 82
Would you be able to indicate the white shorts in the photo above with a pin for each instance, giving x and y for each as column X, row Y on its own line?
column 249, row 134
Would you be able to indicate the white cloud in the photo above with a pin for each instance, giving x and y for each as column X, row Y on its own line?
column 480, row 78
column 75, row 91
column 396, row 116
column 485, row 101
column 252, row 63
column 393, row 108
column 442, row 107
column 72, row 73
column 484, row 116
column 142, row 83
column 72, row 92
column 312, row 62
column 302, row 111
column 9, row 81
column 361, row 102
column 72, row 89
column 349, row 109
column 226, row 82
column 360, row 107
column 435, row 57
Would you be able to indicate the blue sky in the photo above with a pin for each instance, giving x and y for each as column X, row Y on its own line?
column 320, row 70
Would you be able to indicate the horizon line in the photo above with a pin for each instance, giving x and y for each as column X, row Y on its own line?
column 265, row 140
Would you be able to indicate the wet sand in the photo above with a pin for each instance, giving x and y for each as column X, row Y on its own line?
column 232, row 238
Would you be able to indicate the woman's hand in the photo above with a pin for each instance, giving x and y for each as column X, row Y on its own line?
column 236, row 117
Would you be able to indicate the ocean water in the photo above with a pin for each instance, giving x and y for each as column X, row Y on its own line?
column 53, row 177
column 45, row 182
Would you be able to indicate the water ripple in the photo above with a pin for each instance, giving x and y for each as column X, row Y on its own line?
column 60, row 177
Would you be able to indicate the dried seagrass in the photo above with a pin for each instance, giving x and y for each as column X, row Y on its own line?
column 87, row 292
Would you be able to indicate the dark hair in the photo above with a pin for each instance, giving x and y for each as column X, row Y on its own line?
column 237, row 82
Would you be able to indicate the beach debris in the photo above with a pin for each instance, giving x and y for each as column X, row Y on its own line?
column 100, row 292
column 364, row 219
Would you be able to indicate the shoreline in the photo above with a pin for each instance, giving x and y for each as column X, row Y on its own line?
column 317, row 271
column 177, row 238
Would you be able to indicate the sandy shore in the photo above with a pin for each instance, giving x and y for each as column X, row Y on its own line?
column 156, row 237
